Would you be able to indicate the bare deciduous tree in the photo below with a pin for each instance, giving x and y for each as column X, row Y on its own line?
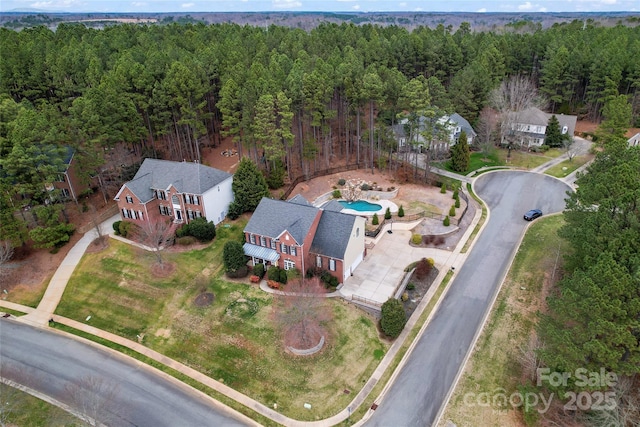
column 157, row 235
column 514, row 95
column 487, row 128
column 567, row 144
column 301, row 313
column 6, row 252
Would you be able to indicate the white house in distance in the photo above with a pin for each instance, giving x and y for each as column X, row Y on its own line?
column 452, row 126
column 181, row 191
column 530, row 126
column 634, row 141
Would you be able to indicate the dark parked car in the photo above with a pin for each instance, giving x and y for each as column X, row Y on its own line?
column 533, row 214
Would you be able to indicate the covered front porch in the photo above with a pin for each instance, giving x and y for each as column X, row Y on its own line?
column 260, row 254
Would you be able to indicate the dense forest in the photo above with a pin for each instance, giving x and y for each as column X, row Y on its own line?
column 294, row 101
column 297, row 102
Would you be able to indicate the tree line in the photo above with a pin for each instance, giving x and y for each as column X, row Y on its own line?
column 294, row 101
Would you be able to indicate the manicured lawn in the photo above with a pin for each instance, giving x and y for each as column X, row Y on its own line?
column 525, row 159
column 496, row 365
column 498, row 157
column 233, row 340
column 568, row 166
column 477, row 160
column 480, row 160
column 28, row 295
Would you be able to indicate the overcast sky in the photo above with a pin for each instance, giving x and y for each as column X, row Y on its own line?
column 321, row 5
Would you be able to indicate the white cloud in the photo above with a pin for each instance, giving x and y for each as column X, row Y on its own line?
column 403, row 4
column 609, row 1
column 346, row 0
column 542, row 9
column 139, row 4
column 356, row 7
column 286, row 4
column 525, row 6
column 187, row 5
column 482, row 10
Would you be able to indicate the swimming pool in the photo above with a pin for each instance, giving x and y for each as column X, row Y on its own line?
column 361, row 206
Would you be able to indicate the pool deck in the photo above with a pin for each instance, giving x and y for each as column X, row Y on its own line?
column 383, row 203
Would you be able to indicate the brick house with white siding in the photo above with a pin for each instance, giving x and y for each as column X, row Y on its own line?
column 295, row 234
column 180, row 191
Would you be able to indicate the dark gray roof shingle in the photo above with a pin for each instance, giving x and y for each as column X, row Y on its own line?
column 333, row 206
column 186, row 177
column 299, row 199
column 332, row 236
column 272, row 217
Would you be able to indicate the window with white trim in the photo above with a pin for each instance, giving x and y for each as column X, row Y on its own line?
column 319, row 261
column 129, row 199
column 293, row 251
column 273, row 244
column 332, row 264
column 140, row 215
column 252, row 239
column 289, row 265
column 283, row 248
column 263, row 241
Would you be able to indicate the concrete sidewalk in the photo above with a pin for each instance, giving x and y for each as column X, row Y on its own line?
column 393, row 252
column 51, row 298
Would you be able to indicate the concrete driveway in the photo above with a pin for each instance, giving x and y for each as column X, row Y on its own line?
column 427, row 376
column 377, row 276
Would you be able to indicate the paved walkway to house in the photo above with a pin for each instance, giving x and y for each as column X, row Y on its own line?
column 52, row 296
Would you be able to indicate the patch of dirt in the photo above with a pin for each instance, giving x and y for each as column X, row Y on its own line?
column 216, row 158
column 204, row 299
column 98, row 245
column 163, row 270
column 163, row 333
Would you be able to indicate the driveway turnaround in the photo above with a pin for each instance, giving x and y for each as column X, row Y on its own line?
column 423, row 384
column 122, row 391
column 377, row 277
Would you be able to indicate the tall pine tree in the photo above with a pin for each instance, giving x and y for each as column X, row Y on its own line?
column 460, row 154
column 249, row 187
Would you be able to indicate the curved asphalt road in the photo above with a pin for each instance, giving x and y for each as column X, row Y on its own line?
column 49, row 362
column 419, row 391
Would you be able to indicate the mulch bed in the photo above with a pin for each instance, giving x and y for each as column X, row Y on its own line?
column 420, row 290
column 204, row 299
column 163, row 270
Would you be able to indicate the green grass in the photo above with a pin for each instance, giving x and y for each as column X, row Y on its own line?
column 28, row 295
column 22, row 409
column 480, row 223
column 568, row 166
column 12, row 312
column 525, row 159
column 498, row 157
column 234, row 340
column 496, row 361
